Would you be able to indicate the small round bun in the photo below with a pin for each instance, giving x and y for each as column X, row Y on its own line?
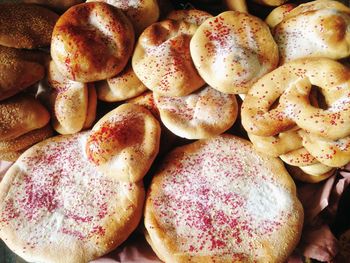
column 162, row 59
column 21, row 114
column 71, row 102
column 218, row 200
column 124, row 86
column 233, row 50
column 55, row 206
column 142, row 13
column 124, row 143
column 19, row 70
column 92, row 41
column 202, row 114
column 25, row 25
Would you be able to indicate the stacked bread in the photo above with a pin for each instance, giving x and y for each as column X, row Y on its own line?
column 221, row 198
column 299, row 111
column 24, row 120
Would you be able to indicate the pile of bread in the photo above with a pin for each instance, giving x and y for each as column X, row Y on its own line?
column 78, row 195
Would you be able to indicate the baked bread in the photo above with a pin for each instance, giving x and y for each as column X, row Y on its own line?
column 11, row 149
column 202, row 114
column 73, row 104
column 233, row 50
column 21, row 114
column 121, row 87
column 162, row 60
column 124, row 143
column 193, row 16
column 318, row 29
column 142, row 13
column 92, row 41
column 25, row 25
column 19, row 70
column 217, row 200
column 55, row 206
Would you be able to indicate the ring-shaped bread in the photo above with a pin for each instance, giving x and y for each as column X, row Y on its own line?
column 291, row 84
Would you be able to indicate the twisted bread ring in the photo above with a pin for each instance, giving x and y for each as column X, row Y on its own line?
column 294, row 81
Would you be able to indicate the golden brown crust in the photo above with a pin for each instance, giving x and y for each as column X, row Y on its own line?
column 183, row 214
column 19, row 69
column 28, row 139
column 162, row 59
column 124, row 143
column 142, row 13
column 92, row 41
column 124, row 86
column 25, row 25
column 21, row 114
column 89, row 215
column 233, row 50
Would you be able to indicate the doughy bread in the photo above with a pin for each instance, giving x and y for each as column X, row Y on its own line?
column 202, row 114
column 142, row 13
column 25, row 25
column 21, row 114
column 55, row 206
column 124, row 86
column 218, row 200
column 162, row 60
column 233, row 50
column 19, row 69
column 92, row 41
column 124, row 142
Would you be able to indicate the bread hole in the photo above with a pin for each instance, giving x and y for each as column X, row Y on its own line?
column 316, row 97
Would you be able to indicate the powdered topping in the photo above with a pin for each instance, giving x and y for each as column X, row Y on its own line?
column 125, row 4
column 221, row 199
column 58, row 196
